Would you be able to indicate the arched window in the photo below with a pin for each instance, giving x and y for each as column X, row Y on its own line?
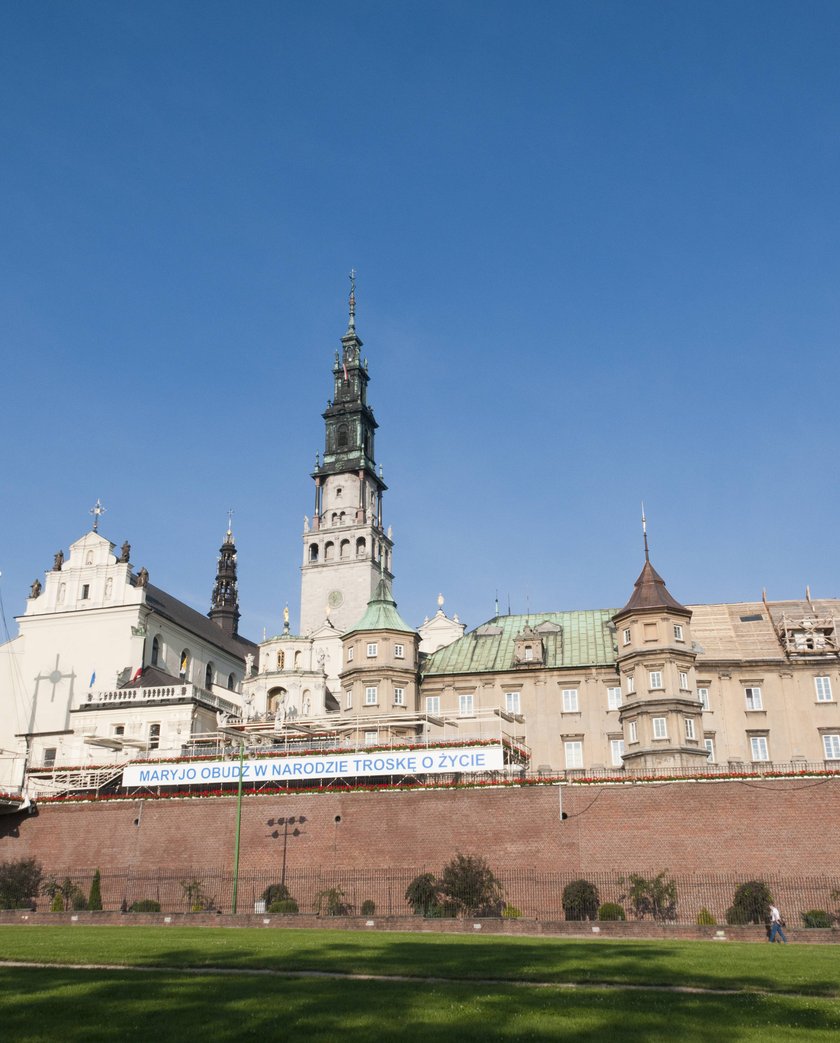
column 154, row 736
column 184, row 665
column 281, row 660
column 231, row 682
column 334, row 519
column 361, row 547
column 156, row 651
column 208, row 677
column 338, row 493
column 345, row 548
column 313, row 551
column 342, row 437
column 342, row 518
column 297, row 660
column 329, row 548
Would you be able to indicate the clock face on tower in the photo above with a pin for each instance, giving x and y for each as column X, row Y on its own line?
column 336, row 598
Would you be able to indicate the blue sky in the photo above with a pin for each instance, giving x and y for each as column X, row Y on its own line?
column 597, row 247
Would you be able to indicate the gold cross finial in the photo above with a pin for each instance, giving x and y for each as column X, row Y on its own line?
column 97, row 511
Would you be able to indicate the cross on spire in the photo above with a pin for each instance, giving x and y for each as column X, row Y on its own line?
column 97, row 511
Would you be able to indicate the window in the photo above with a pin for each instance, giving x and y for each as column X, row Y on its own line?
column 823, row 686
column 660, row 727
column 625, row 636
column 329, row 548
column 85, row 591
column 613, row 698
column 119, row 729
column 529, row 653
column 344, row 551
column 678, row 632
column 208, row 676
column 703, row 696
column 753, row 698
column 399, row 697
column 348, row 699
column 155, row 651
column 683, row 680
column 432, row 704
column 758, row 748
column 184, row 665
column 831, row 746
column 465, row 705
column 631, row 684
column 154, row 736
column 371, row 738
column 350, row 651
column 313, row 552
column 710, row 750
column 574, row 754
column 512, row 702
column 617, row 752
column 371, row 696
column 49, row 757
column 655, row 679
column 371, row 650
column 632, row 732
column 231, row 682
column 570, row 700
column 689, row 727
column 281, row 659
column 399, row 651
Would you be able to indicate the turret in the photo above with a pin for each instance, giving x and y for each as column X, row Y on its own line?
column 224, row 604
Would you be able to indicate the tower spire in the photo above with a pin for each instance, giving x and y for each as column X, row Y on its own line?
column 351, row 323
column 644, row 532
column 224, row 603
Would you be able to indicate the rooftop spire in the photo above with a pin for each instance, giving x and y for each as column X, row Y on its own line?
column 644, row 532
column 351, row 324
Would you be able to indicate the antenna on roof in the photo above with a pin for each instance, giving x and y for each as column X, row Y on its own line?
column 508, row 602
column 644, row 532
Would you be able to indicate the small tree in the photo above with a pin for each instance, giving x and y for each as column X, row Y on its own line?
column 422, row 894
column 580, row 900
column 95, row 898
column 330, row 902
column 750, row 903
column 64, row 895
column 468, row 882
column 20, row 881
column 276, row 893
column 197, row 899
column 656, row 897
column 611, row 911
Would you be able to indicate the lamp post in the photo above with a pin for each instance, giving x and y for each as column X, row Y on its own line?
column 286, row 822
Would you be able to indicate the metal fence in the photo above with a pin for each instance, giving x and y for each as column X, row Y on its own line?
column 527, row 893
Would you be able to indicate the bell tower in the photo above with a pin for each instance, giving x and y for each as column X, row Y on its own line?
column 346, row 551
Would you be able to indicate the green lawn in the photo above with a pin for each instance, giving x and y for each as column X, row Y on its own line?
column 789, row 992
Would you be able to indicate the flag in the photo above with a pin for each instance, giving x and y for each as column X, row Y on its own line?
column 92, row 679
column 138, row 673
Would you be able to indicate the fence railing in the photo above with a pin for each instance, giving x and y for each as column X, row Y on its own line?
column 526, row 893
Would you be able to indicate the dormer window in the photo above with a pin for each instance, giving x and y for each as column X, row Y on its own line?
column 529, row 653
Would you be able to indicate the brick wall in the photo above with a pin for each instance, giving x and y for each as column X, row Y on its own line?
column 753, row 828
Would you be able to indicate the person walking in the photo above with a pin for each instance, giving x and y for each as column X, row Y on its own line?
column 776, row 925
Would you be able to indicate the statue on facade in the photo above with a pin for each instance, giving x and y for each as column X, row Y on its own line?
column 125, row 552
column 306, row 523
column 143, row 577
column 35, row 589
column 249, row 664
column 58, row 561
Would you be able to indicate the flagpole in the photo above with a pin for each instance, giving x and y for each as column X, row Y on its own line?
column 238, row 827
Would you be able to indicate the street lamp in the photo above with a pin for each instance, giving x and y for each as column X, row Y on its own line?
column 286, row 822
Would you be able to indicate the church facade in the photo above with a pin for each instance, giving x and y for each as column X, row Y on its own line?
column 108, row 668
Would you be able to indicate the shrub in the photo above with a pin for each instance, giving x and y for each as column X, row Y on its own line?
column 197, row 899
column 20, row 881
column 368, row 907
column 510, row 912
column 144, row 905
column 705, row 918
column 580, row 900
column 611, row 911
column 331, row 903
column 64, row 895
column 468, row 883
column 422, row 894
column 275, row 893
column 750, row 903
column 817, row 918
column 57, row 903
column 656, row 897
column 95, row 897
column 284, row 907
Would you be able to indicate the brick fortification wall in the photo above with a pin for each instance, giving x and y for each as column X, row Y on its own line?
column 754, row 828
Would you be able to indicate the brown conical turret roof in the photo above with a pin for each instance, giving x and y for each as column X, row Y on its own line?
column 650, row 593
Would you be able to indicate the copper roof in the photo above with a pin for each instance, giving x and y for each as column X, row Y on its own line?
column 650, row 592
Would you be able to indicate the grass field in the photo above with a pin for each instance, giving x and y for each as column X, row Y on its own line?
column 464, row 987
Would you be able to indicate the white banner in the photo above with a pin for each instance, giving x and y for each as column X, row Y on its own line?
column 432, row 760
